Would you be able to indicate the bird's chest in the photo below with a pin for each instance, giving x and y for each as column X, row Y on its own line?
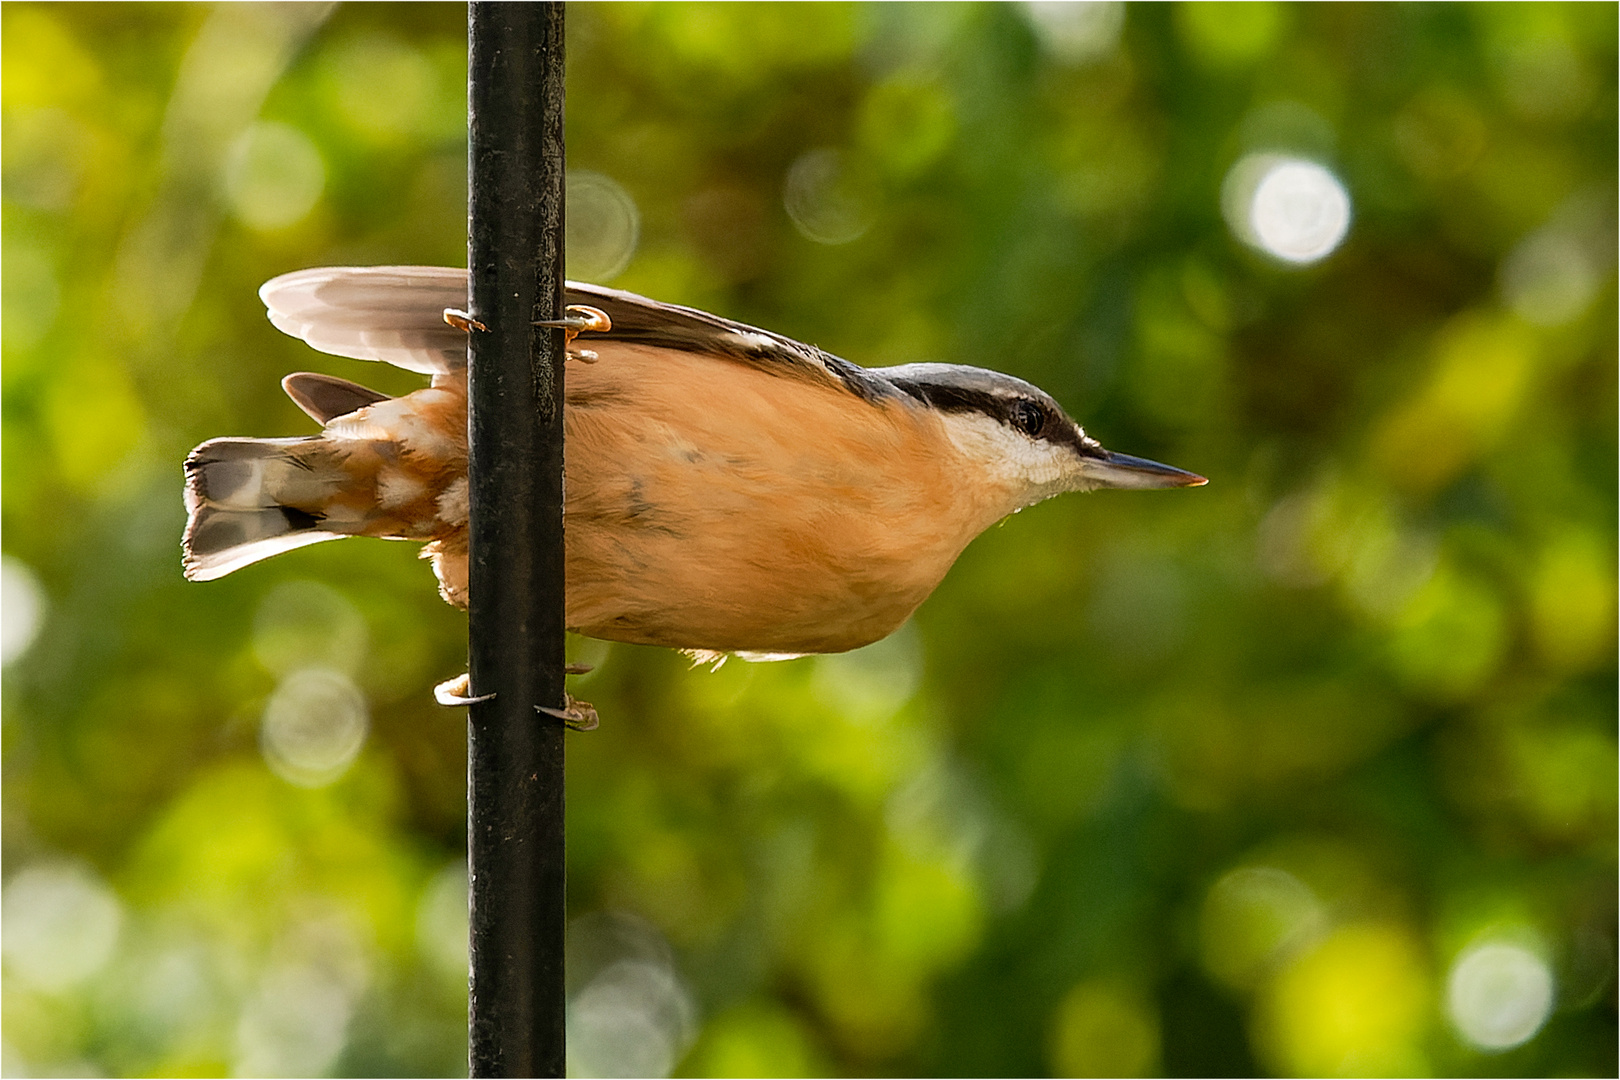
column 714, row 508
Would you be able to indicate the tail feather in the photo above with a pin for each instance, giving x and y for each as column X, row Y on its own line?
column 249, row 499
column 324, row 398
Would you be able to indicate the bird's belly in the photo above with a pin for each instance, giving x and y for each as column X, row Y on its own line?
column 717, row 510
column 732, row 588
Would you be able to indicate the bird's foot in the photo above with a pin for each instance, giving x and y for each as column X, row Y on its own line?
column 462, row 321
column 454, row 692
column 578, row 715
column 579, row 319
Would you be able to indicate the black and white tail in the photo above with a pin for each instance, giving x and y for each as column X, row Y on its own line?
column 249, row 499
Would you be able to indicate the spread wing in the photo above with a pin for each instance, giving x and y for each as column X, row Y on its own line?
column 396, row 314
column 390, row 313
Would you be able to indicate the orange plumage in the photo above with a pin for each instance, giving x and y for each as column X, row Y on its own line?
column 727, row 490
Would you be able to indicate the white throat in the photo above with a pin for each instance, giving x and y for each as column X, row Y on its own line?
column 1025, row 470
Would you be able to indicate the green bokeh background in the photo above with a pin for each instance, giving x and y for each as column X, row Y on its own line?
column 1214, row 782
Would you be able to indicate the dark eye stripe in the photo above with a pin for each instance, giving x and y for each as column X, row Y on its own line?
column 1054, row 427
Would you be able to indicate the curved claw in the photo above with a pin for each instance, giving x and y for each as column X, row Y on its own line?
column 462, row 321
column 578, row 715
column 578, row 319
column 452, row 693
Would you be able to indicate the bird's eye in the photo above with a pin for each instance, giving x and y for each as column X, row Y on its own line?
column 1028, row 417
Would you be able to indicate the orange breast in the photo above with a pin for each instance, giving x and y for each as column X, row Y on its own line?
column 712, row 505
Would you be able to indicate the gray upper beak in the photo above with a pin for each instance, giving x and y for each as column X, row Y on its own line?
column 1113, row 470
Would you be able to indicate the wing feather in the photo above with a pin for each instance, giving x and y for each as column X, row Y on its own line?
column 396, row 314
column 390, row 313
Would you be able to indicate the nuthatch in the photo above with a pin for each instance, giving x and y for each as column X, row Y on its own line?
column 728, row 490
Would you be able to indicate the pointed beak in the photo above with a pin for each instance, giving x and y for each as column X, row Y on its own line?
column 1113, row 470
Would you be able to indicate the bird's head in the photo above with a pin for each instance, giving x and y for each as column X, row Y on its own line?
column 1023, row 440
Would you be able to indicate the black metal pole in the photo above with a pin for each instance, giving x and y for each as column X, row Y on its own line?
column 515, row 458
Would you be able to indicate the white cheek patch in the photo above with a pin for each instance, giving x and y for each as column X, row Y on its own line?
column 1030, row 469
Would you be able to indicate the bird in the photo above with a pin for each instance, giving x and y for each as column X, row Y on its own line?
column 728, row 490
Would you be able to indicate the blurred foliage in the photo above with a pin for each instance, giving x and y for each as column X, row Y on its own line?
column 1206, row 782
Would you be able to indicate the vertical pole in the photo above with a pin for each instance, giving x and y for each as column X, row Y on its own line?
column 515, row 458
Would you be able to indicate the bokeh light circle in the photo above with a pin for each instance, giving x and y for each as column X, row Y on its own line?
column 1550, row 278
column 603, row 226
column 296, row 1025
column 1300, row 211
column 61, row 924
column 829, row 197
column 1252, row 918
column 1499, row 994
column 1292, row 209
column 22, row 608
column 314, row 726
column 629, row 1011
column 1077, row 31
column 633, row 1019
column 274, row 176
